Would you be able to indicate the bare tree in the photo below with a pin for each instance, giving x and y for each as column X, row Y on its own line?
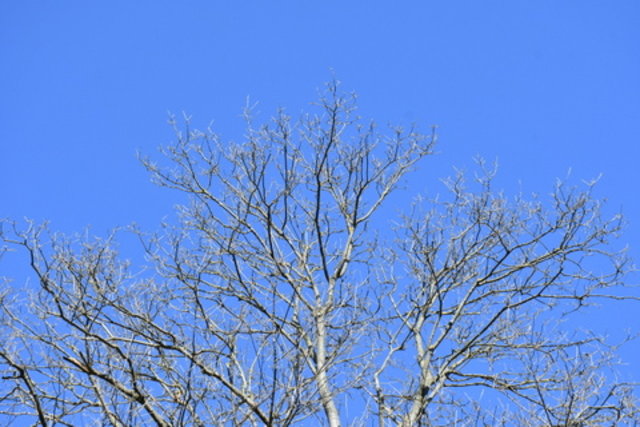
column 280, row 297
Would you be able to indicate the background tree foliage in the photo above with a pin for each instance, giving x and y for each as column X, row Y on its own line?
column 281, row 298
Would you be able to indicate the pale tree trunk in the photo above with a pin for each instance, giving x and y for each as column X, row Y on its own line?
column 328, row 401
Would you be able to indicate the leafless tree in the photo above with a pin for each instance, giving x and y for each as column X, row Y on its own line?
column 283, row 296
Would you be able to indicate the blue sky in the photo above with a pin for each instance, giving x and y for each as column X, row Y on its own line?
column 543, row 87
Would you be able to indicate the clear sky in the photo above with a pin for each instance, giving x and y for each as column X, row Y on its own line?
column 541, row 86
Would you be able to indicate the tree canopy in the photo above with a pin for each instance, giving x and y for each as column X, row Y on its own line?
column 283, row 295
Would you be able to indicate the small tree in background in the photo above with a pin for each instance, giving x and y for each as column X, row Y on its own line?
column 280, row 298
